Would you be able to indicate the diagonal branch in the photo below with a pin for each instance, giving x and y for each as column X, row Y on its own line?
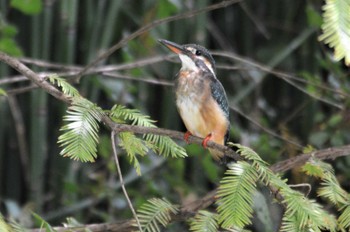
column 151, row 25
column 188, row 210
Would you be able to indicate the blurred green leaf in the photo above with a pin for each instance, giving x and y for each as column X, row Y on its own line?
column 335, row 120
column 43, row 223
column 313, row 17
column 8, row 31
column 166, row 8
column 3, row 92
column 211, row 169
column 9, row 46
column 30, row 7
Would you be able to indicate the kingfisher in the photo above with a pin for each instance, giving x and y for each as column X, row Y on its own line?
column 200, row 97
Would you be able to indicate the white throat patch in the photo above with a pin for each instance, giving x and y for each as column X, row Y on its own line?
column 187, row 63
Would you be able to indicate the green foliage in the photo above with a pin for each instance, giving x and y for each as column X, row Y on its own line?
column 3, row 92
column 235, row 192
column 302, row 214
column 133, row 146
column 305, row 213
column 3, row 225
column 43, row 224
column 30, row 7
column 80, row 135
column 336, row 28
column 331, row 189
column 7, row 41
column 344, row 218
column 154, row 212
column 204, row 221
column 67, row 88
column 163, row 145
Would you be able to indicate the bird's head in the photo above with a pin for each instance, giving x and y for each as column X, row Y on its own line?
column 193, row 57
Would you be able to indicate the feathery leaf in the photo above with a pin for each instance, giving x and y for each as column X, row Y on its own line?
column 133, row 146
column 80, row 137
column 235, row 195
column 307, row 213
column 65, row 86
column 163, row 145
column 154, row 212
column 204, row 221
column 336, row 28
column 344, row 218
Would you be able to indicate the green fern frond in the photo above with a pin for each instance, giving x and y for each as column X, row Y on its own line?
column 154, row 212
column 331, row 188
column 135, row 116
column 133, row 146
column 317, row 168
column 332, row 191
column 67, row 88
column 307, row 213
column 163, row 145
column 204, row 221
column 80, row 136
column 344, row 218
column 235, row 195
column 336, row 28
column 3, row 225
column 290, row 224
column 257, row 162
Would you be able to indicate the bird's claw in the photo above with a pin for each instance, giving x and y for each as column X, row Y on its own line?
column 206, row 139
column 187, row 135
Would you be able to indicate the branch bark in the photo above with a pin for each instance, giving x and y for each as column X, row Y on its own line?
column 187, row 210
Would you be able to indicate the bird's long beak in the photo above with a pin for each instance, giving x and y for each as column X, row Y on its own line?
column 174, row 47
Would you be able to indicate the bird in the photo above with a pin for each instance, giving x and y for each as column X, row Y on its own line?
column 200, row 97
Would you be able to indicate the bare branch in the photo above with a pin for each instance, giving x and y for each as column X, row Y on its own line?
column 187, row 210
column 122, row 180
column 149, row 26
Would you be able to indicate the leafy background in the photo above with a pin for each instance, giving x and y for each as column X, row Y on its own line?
column 285, row 89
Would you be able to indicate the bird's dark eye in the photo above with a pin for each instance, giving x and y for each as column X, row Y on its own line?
column 198, row 53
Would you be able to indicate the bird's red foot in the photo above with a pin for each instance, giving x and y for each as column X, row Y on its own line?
column 187, row 134
column 206, row 139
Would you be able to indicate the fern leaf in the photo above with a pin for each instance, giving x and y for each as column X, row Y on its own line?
column 154, row 212
column 67, row 88
column 133, row 146
column 344, row 218
column 257, row 162
column 336, row 28
column 330, row 186
column 317, row 168
column 235, row 195
column 204, row 221
column 163, row 145
column 80, row 137
column 307, row 213
column 332, row 191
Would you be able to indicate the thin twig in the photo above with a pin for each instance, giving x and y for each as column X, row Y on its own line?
column 267, row 130
column 21, row 137
column 149, row 26
column 143, row 79
column 122, row 181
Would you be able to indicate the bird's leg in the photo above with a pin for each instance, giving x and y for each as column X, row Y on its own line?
column 187, row 134
column 206, row 139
